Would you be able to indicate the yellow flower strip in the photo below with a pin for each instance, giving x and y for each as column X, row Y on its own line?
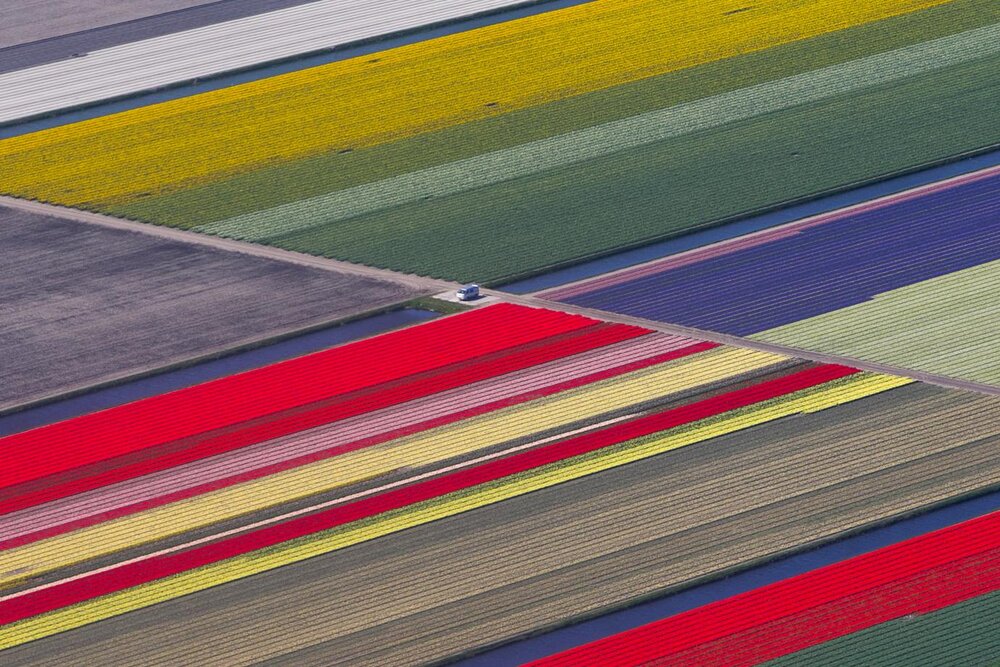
column 418, row 450
column 810, row 400
column 404, row 91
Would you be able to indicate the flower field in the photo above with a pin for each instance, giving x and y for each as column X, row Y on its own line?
column 377, row 436
column 916, row 578
column 502, row 332
column 325, row 163
column 906, row 280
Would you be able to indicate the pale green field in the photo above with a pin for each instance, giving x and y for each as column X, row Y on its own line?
column 947, row 325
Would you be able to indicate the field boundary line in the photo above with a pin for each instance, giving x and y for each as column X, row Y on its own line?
column 738, row 341
column 617, row 276
column 423, row 283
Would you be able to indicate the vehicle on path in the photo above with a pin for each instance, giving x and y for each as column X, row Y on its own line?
column 468, row 292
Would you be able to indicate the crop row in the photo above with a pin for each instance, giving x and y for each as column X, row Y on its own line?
column 401, row 92
column 917, row 576
column 736, row 409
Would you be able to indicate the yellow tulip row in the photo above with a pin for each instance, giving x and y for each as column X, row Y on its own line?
column 811, row 400
column 428, row 448
column 403, row 92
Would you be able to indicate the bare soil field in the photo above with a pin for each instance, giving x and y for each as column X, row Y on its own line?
column 84, row 304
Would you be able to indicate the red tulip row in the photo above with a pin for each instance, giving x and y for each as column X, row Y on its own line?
column 134, row 573
column 916, row 576
column 162, row 431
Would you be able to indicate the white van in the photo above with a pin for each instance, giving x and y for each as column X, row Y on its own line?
column 468, row 293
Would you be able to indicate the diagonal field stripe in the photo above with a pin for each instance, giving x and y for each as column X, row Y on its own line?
column 918, row 576
column 430, row 447
column 589, row 455
column 473, row 399
column 225, row 402
column 322, row 506
column 162, row 431
column 608, row 138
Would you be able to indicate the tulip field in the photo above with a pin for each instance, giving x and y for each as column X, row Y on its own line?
column 910, row 280
column 347, row 200
column 375, row 443
column 500, row 332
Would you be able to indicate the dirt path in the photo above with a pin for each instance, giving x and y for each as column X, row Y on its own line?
column 436, row 285
column 219, row 243
column 736, row 341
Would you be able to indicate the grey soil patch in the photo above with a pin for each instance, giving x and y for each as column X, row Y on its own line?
column 82, row 304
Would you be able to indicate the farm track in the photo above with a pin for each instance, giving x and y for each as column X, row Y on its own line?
column 751, row 343
column 423, row 284
column 427, row 285
column 430, row 284
column 593, row 544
